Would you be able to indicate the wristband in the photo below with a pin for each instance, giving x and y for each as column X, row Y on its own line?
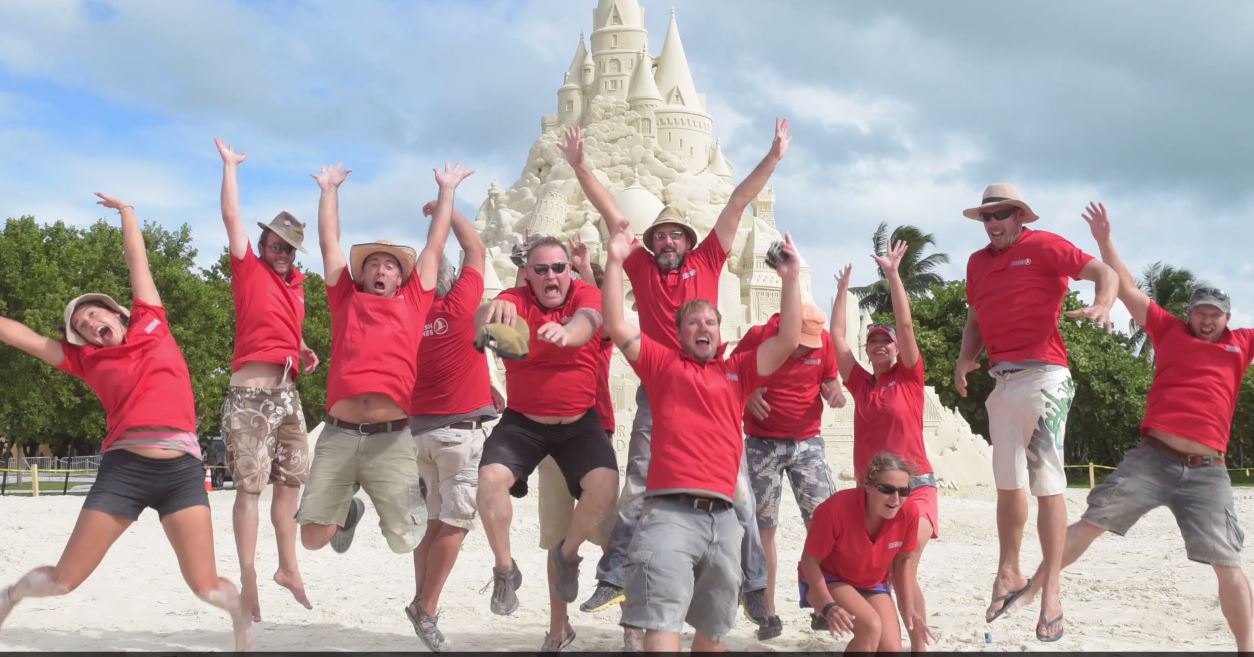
column 829, row 607
column 125, row 207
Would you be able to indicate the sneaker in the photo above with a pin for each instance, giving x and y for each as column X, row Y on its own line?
column 344, row 535
column 565, row 574
column 755, row 606
column 818, row 622
column 426, row 628
column 773, row 628
column 504, row 584
column 603, row 598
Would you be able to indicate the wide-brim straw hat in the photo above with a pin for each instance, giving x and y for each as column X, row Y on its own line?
column 670, row 216
column 403, row 254
column 71, row 335
column 999, row 195
column 287, row 227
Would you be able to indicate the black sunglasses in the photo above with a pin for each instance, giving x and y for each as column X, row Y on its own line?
column 541, row 270
column 281, row 248
column 1211, row 292
column 1000, row 215
column 889, row 490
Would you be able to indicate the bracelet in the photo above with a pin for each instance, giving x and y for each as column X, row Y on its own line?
column 827, row 608
column 125, row 207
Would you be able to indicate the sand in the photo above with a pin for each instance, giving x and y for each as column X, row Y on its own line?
column 1133, row 593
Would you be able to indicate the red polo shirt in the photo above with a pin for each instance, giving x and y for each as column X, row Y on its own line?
column 659, row 296
column 552, row 380
column 142, row 382
column 793, row 391
column 269, row 311
column 1194, row 393
column 375, row 340
column 888, row 416
column 453, row 376
column 605, row 402
column 696, row 417
column 838, row 539
column 1017, row 295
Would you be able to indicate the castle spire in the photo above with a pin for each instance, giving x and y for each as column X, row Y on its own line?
column 674, row 79
column 612, row 13
column 718, row 163
column 575, row 74
column 642, row 85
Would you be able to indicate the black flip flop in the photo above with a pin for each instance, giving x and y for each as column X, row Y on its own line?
column 1009, row 599
column 1045, row 638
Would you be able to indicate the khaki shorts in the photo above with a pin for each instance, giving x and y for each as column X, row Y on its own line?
column 1027, row 421
column 264, row 430
column 381, row 464
column 557, row 507
column 448, row 461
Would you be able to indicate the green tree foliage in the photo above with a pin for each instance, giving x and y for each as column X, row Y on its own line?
column 917, row 271
column 1170, row 288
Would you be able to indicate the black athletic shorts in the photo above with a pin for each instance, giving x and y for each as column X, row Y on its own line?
column 127, row 483
column 520, row 444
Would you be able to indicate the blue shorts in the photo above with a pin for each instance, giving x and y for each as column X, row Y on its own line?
column 804, row 587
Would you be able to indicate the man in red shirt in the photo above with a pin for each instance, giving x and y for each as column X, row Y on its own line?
column 376, row 315
column 684, row 561
column 1015, row 288
column 1198, row 367
column 667, row 269
column 782, row 434
column 450, row 403
column 550, row 411
column 263, row 422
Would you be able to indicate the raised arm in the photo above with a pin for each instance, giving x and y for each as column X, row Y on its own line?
column 776, row 349
column 474, row 252
column 969, row 355
column 236, row 234
column 20, row 336
column 626, row 336
column 907, row 345
column 329, row 181
column 441, row 220
column 749, row 188
column 598, row 195
column 845, row 360
column 1106, row 289
column 581, row 260
column 142, row 287
column 1133, row 297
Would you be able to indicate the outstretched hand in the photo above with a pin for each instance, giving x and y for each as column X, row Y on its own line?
column 331, row 176
column 843, row 277
column 782, row 138
column 1098, row 221
column 229, row 156
column 572, row 146
column 919, row 631
column 112, row 203
column 451, row 176
column 889, row 262
column 1099, row 313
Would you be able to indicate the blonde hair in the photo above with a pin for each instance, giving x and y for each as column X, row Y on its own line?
column 886, row 462
column 695, row 304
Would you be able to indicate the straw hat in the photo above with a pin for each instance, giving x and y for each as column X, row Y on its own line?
column 670, row 216
column 71, row 335
column 999, row 195
column 403, row 254
column 287, row 227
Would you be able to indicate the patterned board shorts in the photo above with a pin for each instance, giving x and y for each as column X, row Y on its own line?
column 265, row 437
column 1027, row 421
column 805, row 463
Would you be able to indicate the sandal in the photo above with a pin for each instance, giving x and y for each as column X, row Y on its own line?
column 558, row 643
column 1047, row 624
column 1008, row 599
column 425, row 627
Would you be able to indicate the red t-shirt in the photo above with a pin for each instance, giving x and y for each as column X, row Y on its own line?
column 552, row 380
column 375, row 340
column 452, row 376
column 269, row 311
column 1194, row 393
column 142, row 382
column 888, row 416
column 1017, row 295
column 659, row 296
column 838, row 539
column 605, row 402
column 696, row 417
column 793, row 390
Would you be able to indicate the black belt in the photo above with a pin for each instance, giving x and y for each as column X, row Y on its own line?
column 707, row 504
column 467, row 424
column 1189, row 460
column 369, row 428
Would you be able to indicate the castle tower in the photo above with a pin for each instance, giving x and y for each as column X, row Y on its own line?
column 549, row 215
column 684, row 127
column 718, row 163
column 643, row 97
column 570, row 101
column 617, row 37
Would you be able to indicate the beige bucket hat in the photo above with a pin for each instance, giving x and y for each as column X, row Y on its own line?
column 72, row 336
column 674, row 217
column 403, row 254
column 289, row 228
column 999, row 195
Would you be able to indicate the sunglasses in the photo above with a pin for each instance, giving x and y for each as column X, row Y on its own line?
column 541, row 270
column 889, row 490
column 1211, row 292
column 674, row 235
column 281, row 248
column 1000, row 215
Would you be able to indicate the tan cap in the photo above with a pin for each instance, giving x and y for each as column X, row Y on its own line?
column 670, row 216
column 287, row 227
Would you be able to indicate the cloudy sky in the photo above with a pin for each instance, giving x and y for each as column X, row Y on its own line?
column 901, row 112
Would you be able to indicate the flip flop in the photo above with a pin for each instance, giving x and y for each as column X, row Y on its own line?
column 1009, row 599
column 1050, row 638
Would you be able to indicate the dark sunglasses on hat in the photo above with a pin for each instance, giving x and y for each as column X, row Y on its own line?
column 889, row 490
column 1211, row 292
column 541, row 270
column 1000, row 215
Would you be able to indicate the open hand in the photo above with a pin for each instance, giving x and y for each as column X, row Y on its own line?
column 921, row 634
column 842, row 278
column 451, row 176
column 619, row 246
column 572, row 146
column 889, row 262
column 840, row 621
column 790, row 267
column 756, row 404
column 502, row 312
column 1098, row 220
column 229, row 156
column 782, row 139
column 1099, row 313
column 112, row 203
column 331, row 176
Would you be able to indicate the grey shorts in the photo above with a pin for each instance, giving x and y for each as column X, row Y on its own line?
column 805, row 462
column 683, row 565
column 1199, row 498
column 128, row 483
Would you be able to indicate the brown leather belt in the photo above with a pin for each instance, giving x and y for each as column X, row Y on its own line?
column 1190, row 460
column 369, row 428
column 466, row 424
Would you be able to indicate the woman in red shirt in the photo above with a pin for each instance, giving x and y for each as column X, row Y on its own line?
column 151, row 456
column 856, row 539
column 888, row 404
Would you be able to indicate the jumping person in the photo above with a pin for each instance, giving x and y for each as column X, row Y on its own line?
column 683, row 556
column 858, row 539
column 262, row 418
column 1198, row 366
column 1015, row 288
column 781, row 423
column 888, row 412
column 151, row 454
column 379, row 299
column 450, row 403
column 667, row 269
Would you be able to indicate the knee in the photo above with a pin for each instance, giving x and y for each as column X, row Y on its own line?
column 494, row 479
column 311, row 538
column 601, row 482
column 868, row 626
column 247, row 499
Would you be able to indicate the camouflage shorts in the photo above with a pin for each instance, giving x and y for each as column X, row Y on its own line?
column 264, row 430
column 805, row 462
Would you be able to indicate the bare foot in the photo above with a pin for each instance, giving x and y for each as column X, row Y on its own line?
column 292, row 582
column 1006, row 592
column 6, row 603
column 1034, row 588
column 227, row 598
column 248, row 594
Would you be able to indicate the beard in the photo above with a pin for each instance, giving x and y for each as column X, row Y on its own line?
column 669, row 260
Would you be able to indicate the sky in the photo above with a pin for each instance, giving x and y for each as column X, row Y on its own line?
column 901, row 113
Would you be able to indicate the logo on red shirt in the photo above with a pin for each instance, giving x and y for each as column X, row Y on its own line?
column 732, row 376
column 1233, row 348
column 687, row 274
column 438, row 327
column 152, row 326
column 894, row 545
column 814, row 361
column 1021, row 263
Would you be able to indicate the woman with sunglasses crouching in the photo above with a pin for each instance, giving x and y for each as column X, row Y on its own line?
column 151, row 456
column 856, row 539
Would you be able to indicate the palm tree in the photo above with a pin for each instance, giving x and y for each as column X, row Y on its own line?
column 1168, row 287
column 918, row 272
